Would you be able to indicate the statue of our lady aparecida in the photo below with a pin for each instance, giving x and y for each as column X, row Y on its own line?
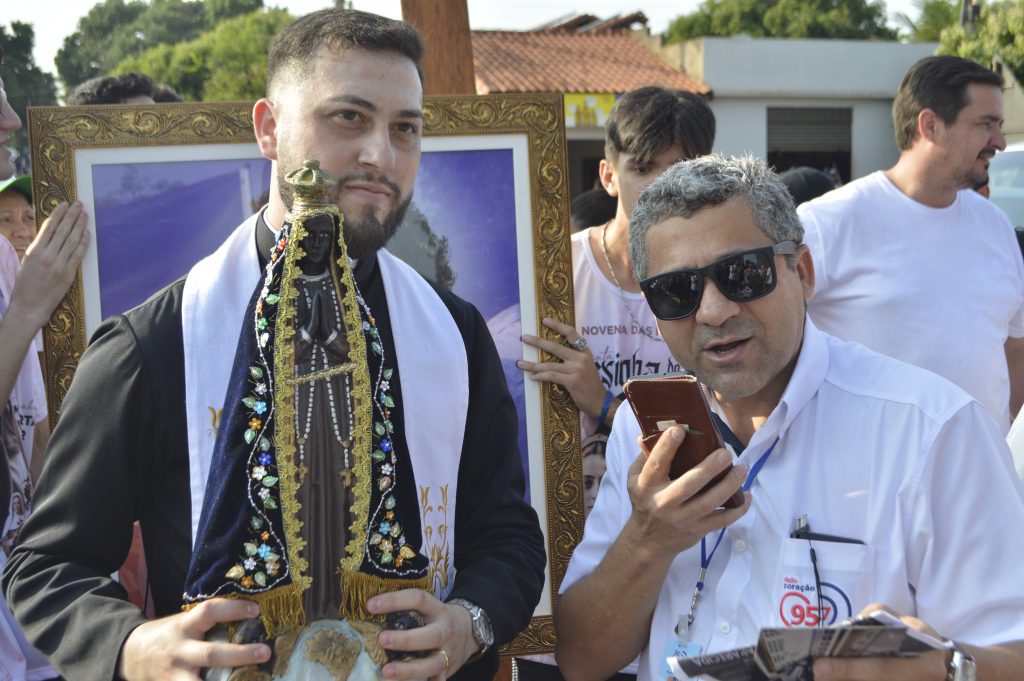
column 300, row 512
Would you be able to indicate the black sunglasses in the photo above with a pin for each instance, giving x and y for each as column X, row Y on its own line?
column 742, row 277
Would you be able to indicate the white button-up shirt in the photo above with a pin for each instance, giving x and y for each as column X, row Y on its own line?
column 870, row 449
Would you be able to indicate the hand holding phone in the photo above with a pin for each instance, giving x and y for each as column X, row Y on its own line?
column 660, row 402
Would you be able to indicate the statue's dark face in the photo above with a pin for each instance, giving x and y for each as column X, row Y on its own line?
column 317, row 244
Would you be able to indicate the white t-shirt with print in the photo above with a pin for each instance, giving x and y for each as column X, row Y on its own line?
column 18, row 659
column 619, row 326
column 29, row 394
column 941, row 288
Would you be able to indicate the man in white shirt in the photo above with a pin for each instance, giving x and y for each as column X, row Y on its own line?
column 900, row 462
column 913, row 264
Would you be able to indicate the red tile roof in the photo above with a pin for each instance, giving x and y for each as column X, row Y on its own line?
column 528, row 61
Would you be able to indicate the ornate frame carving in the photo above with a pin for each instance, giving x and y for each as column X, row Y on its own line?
column 56, row 133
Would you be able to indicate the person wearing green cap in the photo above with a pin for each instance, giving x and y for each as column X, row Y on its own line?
column 17, row 216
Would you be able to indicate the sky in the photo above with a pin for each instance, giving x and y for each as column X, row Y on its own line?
column 55, row 19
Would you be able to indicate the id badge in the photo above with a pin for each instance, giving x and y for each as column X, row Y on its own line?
column 678, row 645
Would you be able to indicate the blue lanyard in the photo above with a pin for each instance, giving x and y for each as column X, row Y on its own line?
column 705, row 557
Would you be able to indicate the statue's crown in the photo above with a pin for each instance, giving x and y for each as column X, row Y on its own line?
column 311, row 186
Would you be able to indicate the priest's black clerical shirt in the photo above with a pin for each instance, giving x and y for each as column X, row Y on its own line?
column 119, row 454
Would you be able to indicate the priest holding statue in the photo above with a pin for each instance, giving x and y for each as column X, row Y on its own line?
column 359, row 512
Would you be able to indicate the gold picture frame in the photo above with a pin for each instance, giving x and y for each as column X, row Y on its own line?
column 67, row 141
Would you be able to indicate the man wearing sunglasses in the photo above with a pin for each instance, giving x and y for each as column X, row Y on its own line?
column 914, row 264
column 614, row 339
column 858, row 487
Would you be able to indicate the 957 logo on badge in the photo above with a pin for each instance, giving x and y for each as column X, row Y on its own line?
column 802, row 606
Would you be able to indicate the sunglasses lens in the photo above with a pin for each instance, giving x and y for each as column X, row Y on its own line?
column 745, row 277
column 675, row 295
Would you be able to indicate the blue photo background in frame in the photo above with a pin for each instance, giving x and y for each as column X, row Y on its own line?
column 167, row 215
column 460, row 232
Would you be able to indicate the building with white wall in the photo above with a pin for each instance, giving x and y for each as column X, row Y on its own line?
column 802, row 102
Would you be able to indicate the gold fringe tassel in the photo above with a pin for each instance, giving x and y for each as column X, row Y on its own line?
column 357, row 588
column 281, row 609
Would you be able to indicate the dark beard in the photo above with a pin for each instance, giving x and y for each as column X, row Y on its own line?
column 364, row 234
column 973, row 179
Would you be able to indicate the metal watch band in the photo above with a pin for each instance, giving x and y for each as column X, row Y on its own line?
column 483, row 634
column 961, row 666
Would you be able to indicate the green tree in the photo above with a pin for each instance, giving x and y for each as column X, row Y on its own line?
column 26, row 84
column 999, row 32
column 103, row 31
column 225, row 64
column 116, row 30
column 219, row 10
column 933, row 16
column 852, row 19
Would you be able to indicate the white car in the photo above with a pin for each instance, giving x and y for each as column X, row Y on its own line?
column 1006, row 182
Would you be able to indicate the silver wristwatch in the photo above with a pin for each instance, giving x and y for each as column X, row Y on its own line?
column 483, row 634
column 961, row 666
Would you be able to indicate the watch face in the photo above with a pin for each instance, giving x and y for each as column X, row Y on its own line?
column 486, row 633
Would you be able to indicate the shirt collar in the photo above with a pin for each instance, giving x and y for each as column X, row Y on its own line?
column 808, row 375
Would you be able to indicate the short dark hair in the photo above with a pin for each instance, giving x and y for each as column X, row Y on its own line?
column 647, row 121
column 341, row 29
column 592, row 207
column 165, row 94
column 805, row 183
column 939, row 84
column 111, row 89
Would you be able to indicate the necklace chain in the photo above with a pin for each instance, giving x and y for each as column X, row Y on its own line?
column 625, row 303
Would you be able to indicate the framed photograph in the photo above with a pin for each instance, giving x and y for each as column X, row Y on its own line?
column 489, row 221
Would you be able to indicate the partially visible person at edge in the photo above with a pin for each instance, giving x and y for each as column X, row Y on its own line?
column 911, row 262
column 903, row 479
column 28, row 295
column 18, row 226
column 17, row 215
column 615, row 337
column 343, row 87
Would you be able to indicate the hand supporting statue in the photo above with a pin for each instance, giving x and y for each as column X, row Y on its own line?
column 174, row 648
column 575, row 369
column 448, row 633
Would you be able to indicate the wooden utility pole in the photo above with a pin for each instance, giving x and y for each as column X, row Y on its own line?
column 448, row 62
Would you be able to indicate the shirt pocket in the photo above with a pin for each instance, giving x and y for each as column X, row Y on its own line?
column 840, row 589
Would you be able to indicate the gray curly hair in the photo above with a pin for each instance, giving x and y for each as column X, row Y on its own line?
column 711, row 180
